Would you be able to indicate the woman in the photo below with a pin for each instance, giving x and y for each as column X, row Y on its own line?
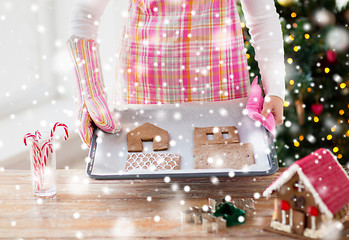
column 177, row 51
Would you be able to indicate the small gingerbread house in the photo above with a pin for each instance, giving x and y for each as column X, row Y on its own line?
column 311, row 195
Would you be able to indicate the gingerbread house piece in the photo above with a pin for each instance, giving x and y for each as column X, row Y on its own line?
column 311, row 195
column 220, row 147
column 150, row 161
column 215, row 135
column 147, row 132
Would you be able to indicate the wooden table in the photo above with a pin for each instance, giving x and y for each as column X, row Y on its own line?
column 87, row 208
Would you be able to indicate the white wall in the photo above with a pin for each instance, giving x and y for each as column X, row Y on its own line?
column 32, row 43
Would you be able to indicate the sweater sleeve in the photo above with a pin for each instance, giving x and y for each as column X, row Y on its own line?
column 85, row 17
column 265, row 29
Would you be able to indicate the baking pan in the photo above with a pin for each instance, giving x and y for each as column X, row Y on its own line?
column 108, row 152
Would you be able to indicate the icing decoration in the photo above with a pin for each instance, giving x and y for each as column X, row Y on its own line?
column 284, row 205
column 313, row 211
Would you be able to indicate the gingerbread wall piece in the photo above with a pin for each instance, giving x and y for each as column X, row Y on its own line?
column 152, row 161
column 147, row 132
column 236, row 156
column 220, row 147
column 201, row 135
column 311, row 194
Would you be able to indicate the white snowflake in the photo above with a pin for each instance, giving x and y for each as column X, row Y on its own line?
column 227, row 198
column 167, row 179
column 157, row 218
column 214, row 180
column 174, row 187
column 256, row 195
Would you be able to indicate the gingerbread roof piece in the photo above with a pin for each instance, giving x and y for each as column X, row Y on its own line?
column 147, row 132
column 323, row 176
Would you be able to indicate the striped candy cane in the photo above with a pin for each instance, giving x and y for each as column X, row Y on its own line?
column 58, row 124
column 37, row 166
column 36, row 157
column 29, row 135
column 46, row 149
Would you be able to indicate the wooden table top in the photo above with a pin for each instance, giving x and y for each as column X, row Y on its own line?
column 87, row 208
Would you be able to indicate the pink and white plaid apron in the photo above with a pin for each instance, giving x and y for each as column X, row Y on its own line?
column 180, row 51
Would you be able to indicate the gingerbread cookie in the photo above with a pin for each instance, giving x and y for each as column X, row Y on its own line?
column 236, row 156
column 152, row 161
column 220, row 147
column 147, row 132
column 219, row 135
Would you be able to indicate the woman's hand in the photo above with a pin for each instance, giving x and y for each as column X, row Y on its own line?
column 275, row 106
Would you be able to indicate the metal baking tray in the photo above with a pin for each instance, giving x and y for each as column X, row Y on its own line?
column 108, row 152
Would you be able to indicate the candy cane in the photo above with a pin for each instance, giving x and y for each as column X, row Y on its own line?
column 37, row 134
column 29, row 135
column 36, row 151
column 40, row 169
column 47, row 148
column 45, row 151
column 36, row 156
column 58, row 124
column 36, row 162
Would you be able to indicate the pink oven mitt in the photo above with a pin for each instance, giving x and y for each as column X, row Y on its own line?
column 254, row 108
column 91, row 99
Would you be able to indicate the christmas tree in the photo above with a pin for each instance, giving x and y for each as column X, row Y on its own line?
column 316, row 43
